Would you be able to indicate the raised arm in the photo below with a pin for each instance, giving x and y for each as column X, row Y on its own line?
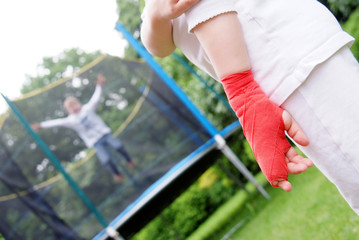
column 96, row 96
column 156, row 30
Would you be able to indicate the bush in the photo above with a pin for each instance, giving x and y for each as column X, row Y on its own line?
column 190, row 209
column 342, row 9
column 352, row 27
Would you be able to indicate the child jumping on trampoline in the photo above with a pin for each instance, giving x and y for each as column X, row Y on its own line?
column 278, row 61
column 91, row 128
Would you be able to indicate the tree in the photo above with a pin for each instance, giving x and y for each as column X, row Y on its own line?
column 129, row 16
column 341, row 8
column 35, row 166
column 129, row 12
column 58, row 67
column 352, row 27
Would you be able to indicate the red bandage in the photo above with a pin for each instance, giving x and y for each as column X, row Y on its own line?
column 262, row 124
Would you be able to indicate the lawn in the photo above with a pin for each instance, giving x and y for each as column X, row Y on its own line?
column 314, row 210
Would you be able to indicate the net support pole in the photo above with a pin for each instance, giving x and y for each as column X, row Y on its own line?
column 56, row 163
column 221, row 145
column 166, row 79
column 195, row 111
column 111, row 231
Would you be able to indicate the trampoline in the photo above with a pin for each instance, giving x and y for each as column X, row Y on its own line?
column 53, row 187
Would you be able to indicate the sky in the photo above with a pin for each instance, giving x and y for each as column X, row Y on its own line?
column 32, row 30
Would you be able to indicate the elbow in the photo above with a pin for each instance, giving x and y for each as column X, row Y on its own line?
column 159, row 53
column 157, row 46
column 157, row 49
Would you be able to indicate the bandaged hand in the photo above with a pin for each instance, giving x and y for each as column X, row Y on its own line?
column 264, row 125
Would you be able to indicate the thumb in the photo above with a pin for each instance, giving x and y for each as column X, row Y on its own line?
column 293, row 129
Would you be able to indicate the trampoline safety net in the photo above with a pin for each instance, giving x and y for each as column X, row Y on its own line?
column 155, row 127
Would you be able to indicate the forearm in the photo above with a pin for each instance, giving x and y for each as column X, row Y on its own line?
column 96, row 97
column 60, row 122
column 156, row 35
column 223, row 41
column 156, row 30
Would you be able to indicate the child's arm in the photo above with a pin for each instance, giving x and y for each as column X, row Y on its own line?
column 59, row 122
column 263, row 122
column 156, row 30
column 223, row 41
column 96, row 96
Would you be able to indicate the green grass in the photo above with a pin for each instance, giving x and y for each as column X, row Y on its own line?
column 312, row 210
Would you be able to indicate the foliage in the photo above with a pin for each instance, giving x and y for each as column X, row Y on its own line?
column 35, row 166
column 129, row 12
column 207, row 102
column 352, row 27
column 341, row 8
column 54, row 68
column 229, row 210
column 198, row 202
column 67, row 146
column 190, row 209
column 215, row 110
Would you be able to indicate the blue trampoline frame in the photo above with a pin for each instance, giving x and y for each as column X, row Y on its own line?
column 133, row 218
column 216, row 141
column 176, row 171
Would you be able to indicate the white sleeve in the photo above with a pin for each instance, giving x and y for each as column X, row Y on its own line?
column 60, row 122
column 207, row 9
column 92, row 103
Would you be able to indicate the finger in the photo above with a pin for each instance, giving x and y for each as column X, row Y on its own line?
column 296, row 168
column 294, row 130
column 184, row 5
column 293, row 156
column 285, row 185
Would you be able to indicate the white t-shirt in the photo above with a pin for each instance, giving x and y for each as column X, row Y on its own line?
column 88, row 125
column 285, row 39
